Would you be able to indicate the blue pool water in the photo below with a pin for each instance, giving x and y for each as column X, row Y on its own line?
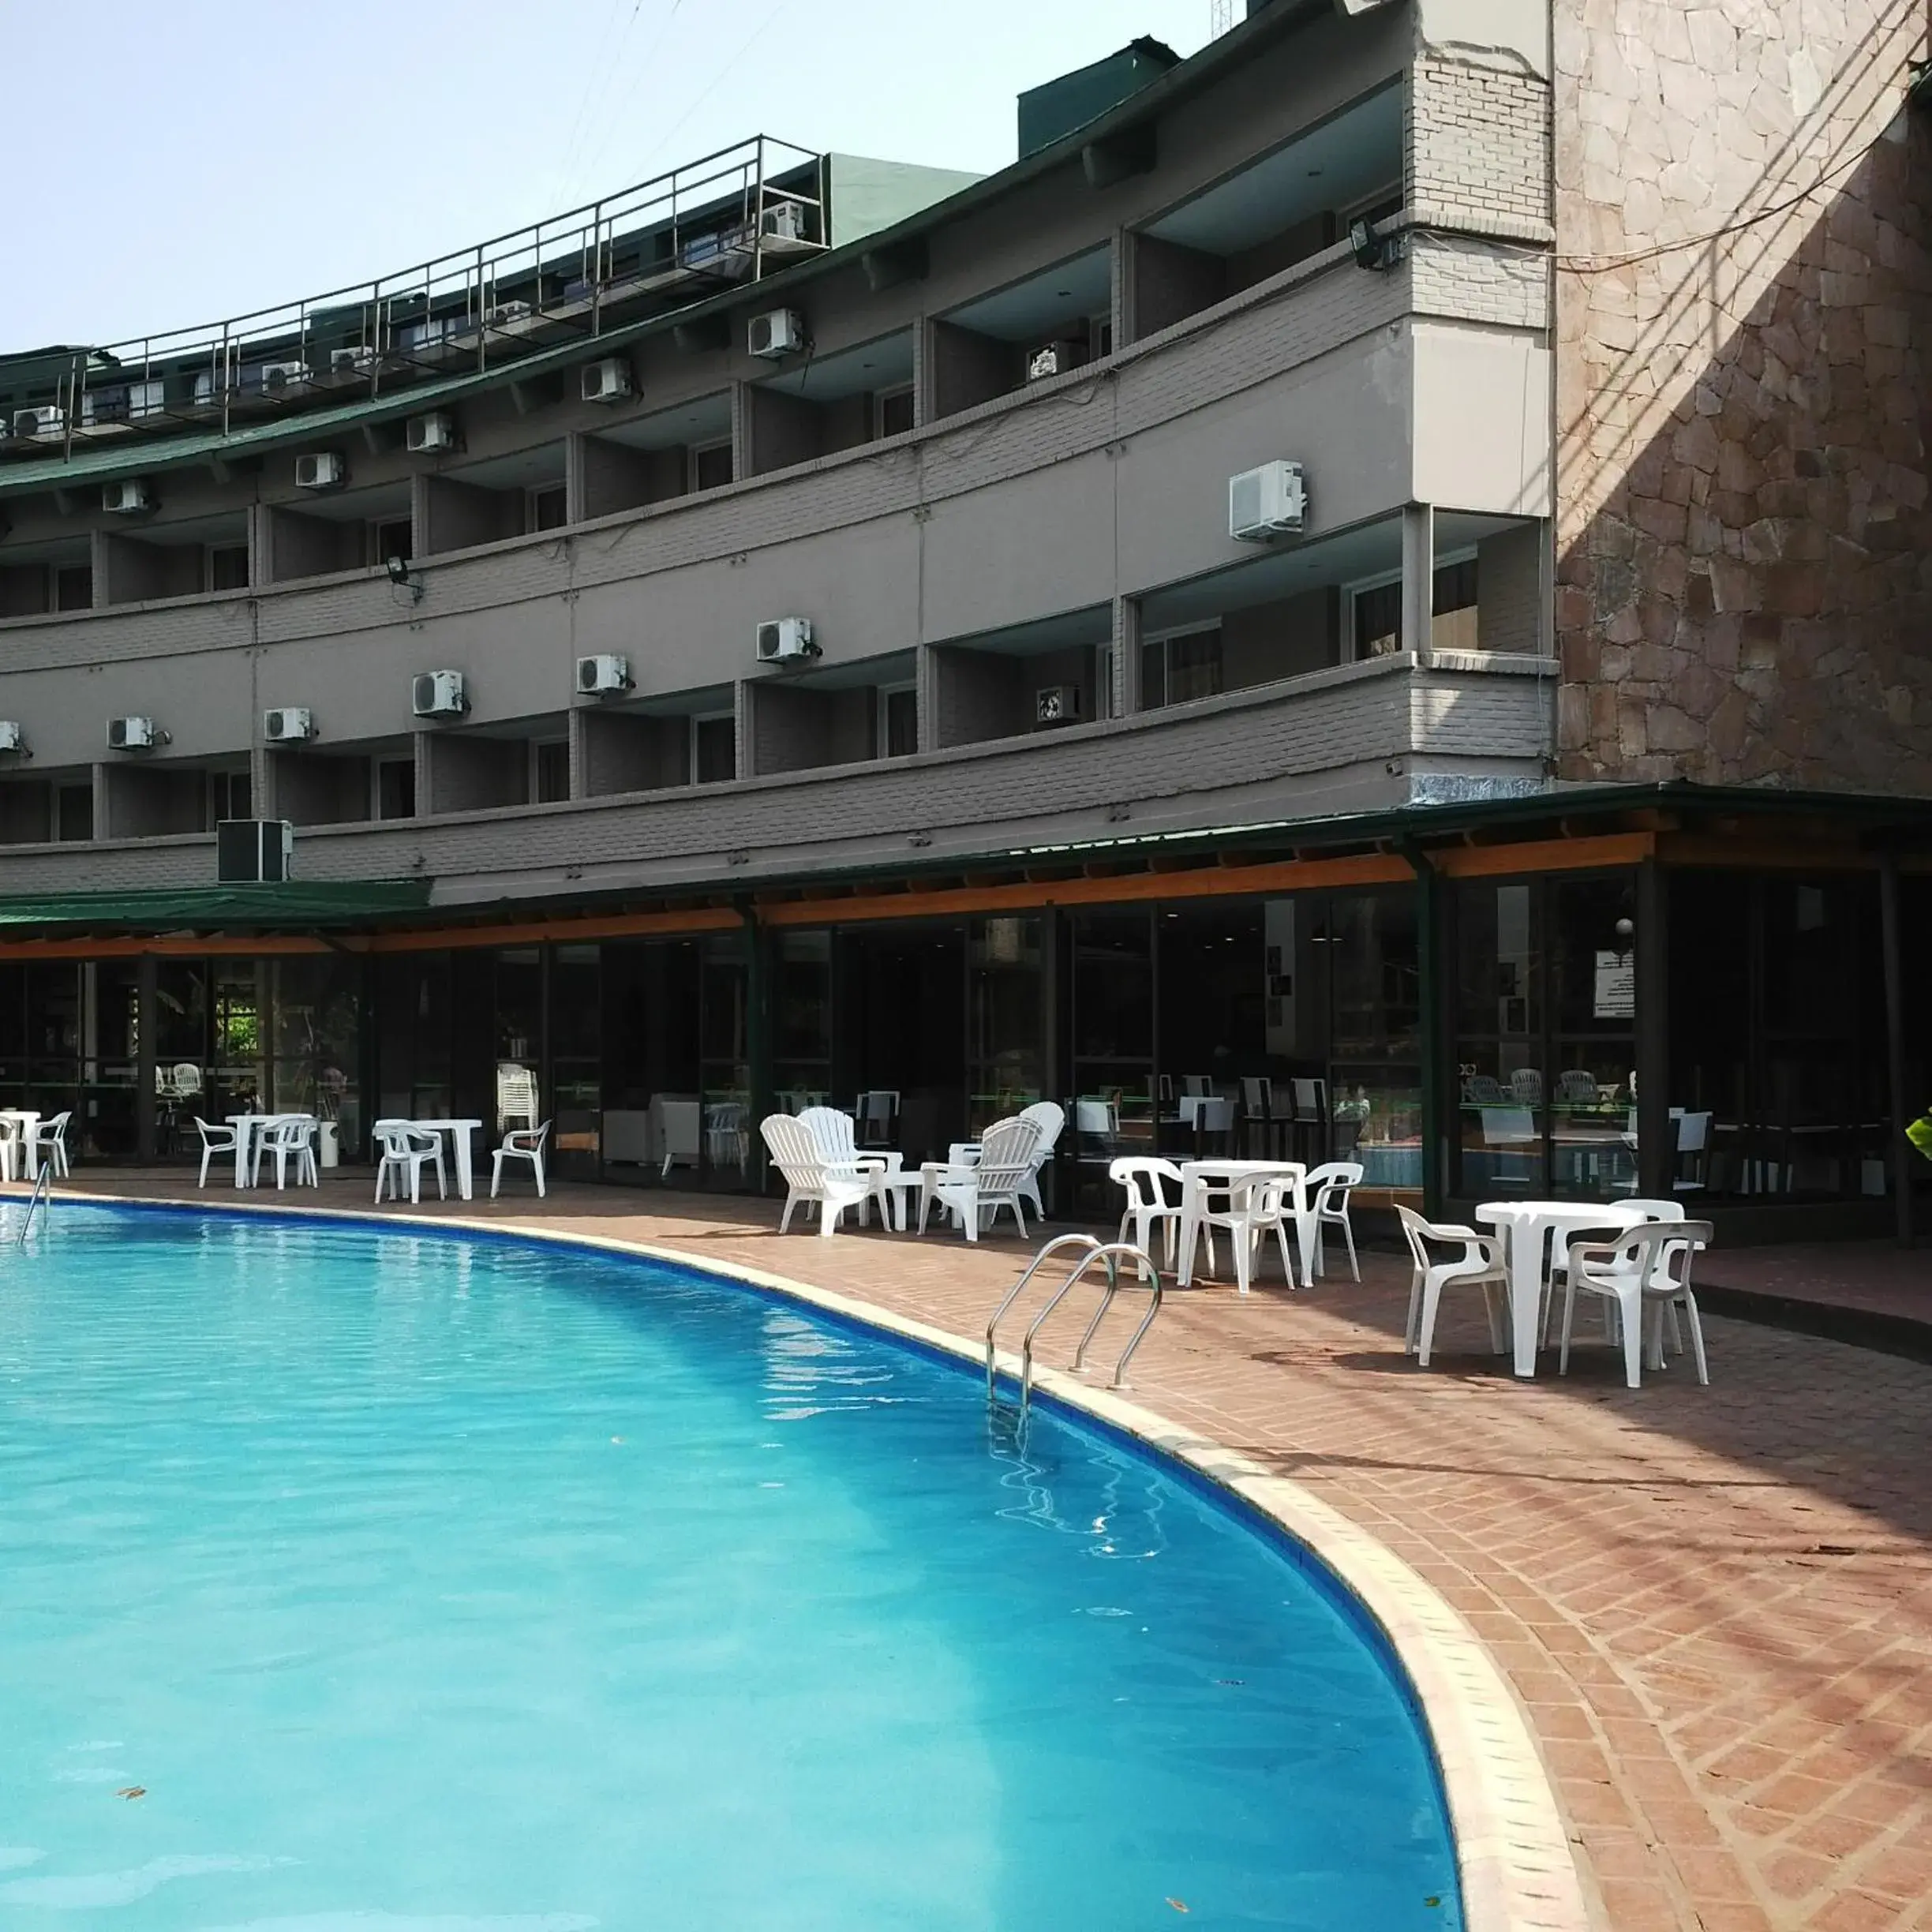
column 429, row 1584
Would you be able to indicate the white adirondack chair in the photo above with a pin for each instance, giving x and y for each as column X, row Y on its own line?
column 998, row 1179
column 810, row 1175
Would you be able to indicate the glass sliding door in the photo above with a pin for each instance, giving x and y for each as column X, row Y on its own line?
column 801, row 1019
column 1375, row 1065
column 1112, row 1091
column 106, row 1127
column 1005, row 1017
column 724, row 1070
column 576, row 1059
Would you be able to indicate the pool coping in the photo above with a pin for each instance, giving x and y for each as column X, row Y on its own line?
column 1514, row 1860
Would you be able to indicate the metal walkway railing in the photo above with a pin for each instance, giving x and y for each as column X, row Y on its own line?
column 1112, row 1254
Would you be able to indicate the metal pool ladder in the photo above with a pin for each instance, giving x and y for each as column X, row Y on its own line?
column 43, row 1187
column 1112, row 1254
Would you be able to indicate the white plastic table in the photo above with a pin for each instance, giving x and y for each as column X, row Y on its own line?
column 459, row 1132
column 249, row 1129
column 26, row 1120
column 1199, row 1177
column 1526, row 1226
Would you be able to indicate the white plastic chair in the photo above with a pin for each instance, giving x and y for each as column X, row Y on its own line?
column 48, row 1141
column 294, row 1135
column 1254, row 1209
column 187, row 1079
column 1328, row 1188
column 11, row 1146
column 1480, row 1265
column 878, row 1107
column 520, row 1144
column 516, row 1095
column 836, row 1134
column 1196, row 1085
column 1576, row 1087
column 810, row 1175
column 726, row 1143
column 1051, row 1118
column 998, row 1179
column 408, row 1151
column 1527, row 1085
column 1148, row 1202
column 214, row 1140
column 1650, row 1264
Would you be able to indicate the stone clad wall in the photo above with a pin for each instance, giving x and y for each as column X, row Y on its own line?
column 1743, row 588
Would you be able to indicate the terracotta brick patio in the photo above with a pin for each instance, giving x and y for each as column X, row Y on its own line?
column 1715, row 1603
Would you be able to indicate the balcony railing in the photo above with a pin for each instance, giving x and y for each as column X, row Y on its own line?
column 729, row 218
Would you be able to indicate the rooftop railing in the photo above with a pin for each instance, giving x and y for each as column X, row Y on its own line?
column 731, row 217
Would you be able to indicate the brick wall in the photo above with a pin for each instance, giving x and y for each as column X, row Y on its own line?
column 1478, row 141
column 1741, row 447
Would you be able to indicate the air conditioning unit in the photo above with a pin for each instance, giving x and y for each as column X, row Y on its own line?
column 1055, row 358
column 279, row 377
column 292, row 725
column 356, row 361
column 607, row 381
column 785, row 221
column 597, row 675
column 253, row 851
column 11, row 737
column 786, row 640
column 45, row 419
column 1057, row 704
column 780, row 333
column 427, row 434
column 321, row 470
column 134, row 734
column 1271, row 501
column 129, row 497
column 438, row 694
column 506, row 311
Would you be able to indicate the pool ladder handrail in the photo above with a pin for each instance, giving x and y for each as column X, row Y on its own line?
column 43, row 1188
column 1112, row 1254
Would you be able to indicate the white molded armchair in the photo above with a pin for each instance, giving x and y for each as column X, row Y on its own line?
column 525, row 1143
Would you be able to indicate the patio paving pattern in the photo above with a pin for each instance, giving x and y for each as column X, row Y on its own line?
column 1714, row 1605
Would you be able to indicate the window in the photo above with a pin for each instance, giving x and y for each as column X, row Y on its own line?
column 1174, row 670
column 895, row 410
column 228, row 567
column 228, row 796
column 548, row 508
column 1375, row 611
column 396, row 538
column 552, row 771
column 73, row 814
column 714, row 748
column 711, row 466
column 395, row 788
column 73, row 587
column 899, row 721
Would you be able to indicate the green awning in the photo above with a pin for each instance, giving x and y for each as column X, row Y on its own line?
column 296, row 905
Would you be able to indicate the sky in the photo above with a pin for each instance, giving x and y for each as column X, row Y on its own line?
column 209, row 159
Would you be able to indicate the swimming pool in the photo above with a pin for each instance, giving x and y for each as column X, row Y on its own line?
column 420, row 1583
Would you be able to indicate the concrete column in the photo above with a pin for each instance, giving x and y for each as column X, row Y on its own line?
column 1418, row 534
column 1125, row 697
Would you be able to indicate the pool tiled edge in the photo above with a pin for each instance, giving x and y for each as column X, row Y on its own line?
column 1514, row 1861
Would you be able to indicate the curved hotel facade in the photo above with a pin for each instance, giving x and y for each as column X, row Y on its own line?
column 1281, row 594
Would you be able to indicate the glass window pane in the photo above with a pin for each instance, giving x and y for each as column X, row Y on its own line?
column 1006, row 1008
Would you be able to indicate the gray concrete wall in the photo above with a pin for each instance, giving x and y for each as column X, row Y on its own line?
column 1357, row 737
column 629, row 751
column 146, row 801
column 1509, row 589
column 471, row 774
column 137, row 570
column 310, row 788
column 1269, row 641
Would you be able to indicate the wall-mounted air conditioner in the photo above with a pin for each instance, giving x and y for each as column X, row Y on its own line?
column 1269, row 501
column 779, row 333
column 291, row 725
column 426, row 435
column 785, row 221
column 607, row 381
column 1057, row 704
column 605, row 673
column 11, row 737
column 253, row 851
column 278, row 378
column 438, row 694
column 785, row 640
column 320, row 470
column 45, row 419
column 129, row 497
column 134, row 734
column 1055, row 358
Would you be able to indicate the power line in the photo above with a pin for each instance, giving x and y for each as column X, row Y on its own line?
column 1601, row 265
